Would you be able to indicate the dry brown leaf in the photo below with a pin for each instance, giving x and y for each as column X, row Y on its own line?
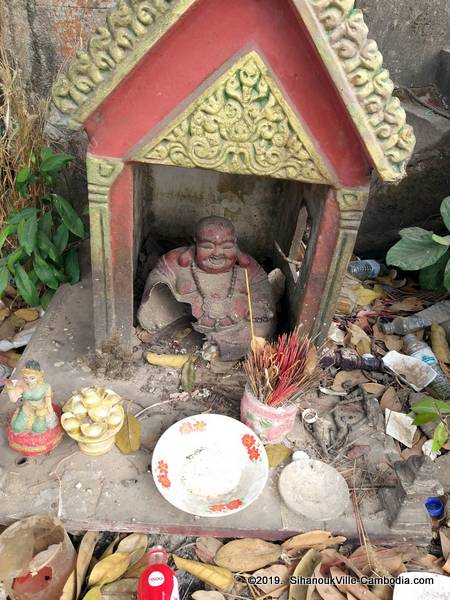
column 206, row 548
column 27, row 314
column 109, row 569
column 305, row 568
column 391, row 400
column 444, row 534
column 312, row 360
column 128, row 440
column 121, row 586
column 93, row 594
column 390, row 559
column 393, row 342
column 132, row 542
column 416, row 450
column 311, row 539
column 446, row 566
column 346, row 380
column 175, row 361
column 331, row 557
column 428, row 562
column 410, row 304
column 70, row 588
column 327, row 591
column 137, row 569
column 4, row 312
column 247, row 555
column 204, row 595
column 277, row 573
column 218, row 577
column 110, row 548
column 85, row 552
column 376, row 389
column 359, row 339
column 361, row 592
column 277, row 453
column 439, row 343
column 336, row 335
column 10, row 358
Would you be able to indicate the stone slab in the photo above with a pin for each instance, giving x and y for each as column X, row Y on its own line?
column 116, row 492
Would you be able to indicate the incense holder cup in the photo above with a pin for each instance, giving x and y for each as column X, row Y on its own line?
column 271, row 424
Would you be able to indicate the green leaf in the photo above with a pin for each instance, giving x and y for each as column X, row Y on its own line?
column 413, row 254
column 26, row 232
column 425, row 418
column 72, row 266
column 440, row 436
column 44, row 272
column 55, row 162
column 46, row 223
column 68, row 215
column 61, row 238
column 15, row 257
column 23, row 175
column 430, row 405
column 447, row 276
column 444, row 241
column 46, row 297
column 445, row 211
column 4, row 280
column 25, row 213
column 415, row 233
column 46, row 153
column 25, row 286
column 432, row 277
column 5, row 233
column 47, row 247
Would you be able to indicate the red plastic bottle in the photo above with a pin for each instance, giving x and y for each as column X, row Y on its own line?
column 158, row 581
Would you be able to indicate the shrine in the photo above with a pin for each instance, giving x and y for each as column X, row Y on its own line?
column 270, row 113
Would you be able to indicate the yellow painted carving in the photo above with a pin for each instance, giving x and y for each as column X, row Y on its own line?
column 356, row 66
column 241, row 124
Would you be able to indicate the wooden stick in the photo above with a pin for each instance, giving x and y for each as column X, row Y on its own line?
column 250, row 308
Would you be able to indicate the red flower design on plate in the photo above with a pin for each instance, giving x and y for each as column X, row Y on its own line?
column 186, row 428
column 234, row 504
column 248, row 440
column 163, row 467
column 253, row 453
column 164, row 480
column 218, row 508
column 199, row 425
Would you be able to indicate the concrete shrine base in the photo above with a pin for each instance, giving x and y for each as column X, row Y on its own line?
column 116, row 492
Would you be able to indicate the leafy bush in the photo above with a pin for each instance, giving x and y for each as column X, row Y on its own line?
column 428, row 410
column 424, row 251
column 42, row 240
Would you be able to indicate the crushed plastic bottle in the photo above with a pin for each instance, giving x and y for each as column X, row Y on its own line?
column 438, row 313
column 422, row 351
column 158, row 581
column 365, row 269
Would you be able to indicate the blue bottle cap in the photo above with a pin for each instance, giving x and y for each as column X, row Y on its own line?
column 434, row 506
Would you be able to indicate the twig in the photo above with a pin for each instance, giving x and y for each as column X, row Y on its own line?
column 250, row 308
column 141, row 412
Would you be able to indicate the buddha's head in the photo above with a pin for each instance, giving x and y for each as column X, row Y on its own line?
column 216, row 249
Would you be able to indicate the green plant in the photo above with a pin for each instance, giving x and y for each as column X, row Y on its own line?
column 428, row 410
column 42, row 250
column 424, row 251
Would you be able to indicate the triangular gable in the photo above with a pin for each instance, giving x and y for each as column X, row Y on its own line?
column 337, row 30
column 240, row 124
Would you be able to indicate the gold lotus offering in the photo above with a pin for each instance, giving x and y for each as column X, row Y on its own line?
column 92, row 417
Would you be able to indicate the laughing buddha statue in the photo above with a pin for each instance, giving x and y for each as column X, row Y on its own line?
column 207, row 280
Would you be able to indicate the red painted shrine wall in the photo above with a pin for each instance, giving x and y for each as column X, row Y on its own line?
column 208, row 36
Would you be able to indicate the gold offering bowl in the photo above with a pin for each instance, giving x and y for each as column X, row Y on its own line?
column 92, row 417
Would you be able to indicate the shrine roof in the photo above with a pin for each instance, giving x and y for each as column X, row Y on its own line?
column 339, row 35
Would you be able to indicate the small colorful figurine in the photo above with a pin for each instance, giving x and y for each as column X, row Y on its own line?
column 34, row 428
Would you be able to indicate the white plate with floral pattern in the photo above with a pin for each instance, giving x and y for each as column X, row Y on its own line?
column 210, row 465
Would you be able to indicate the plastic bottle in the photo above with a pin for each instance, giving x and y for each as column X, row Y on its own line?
column 158, row 581
column 437, row 313
column 367, row 362
column 421, row 350
column 365, row 269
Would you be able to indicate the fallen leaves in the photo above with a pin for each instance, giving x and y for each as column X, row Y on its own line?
column 312, row 539
column 305, row 568
column 175, row 361
column 359, row 339
column 346, row 380
column 206, row 548
column 247, row 554
column 277, row 453
column 217, row 576
column 128, row 440
column 391, row 400
column 109, row 569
